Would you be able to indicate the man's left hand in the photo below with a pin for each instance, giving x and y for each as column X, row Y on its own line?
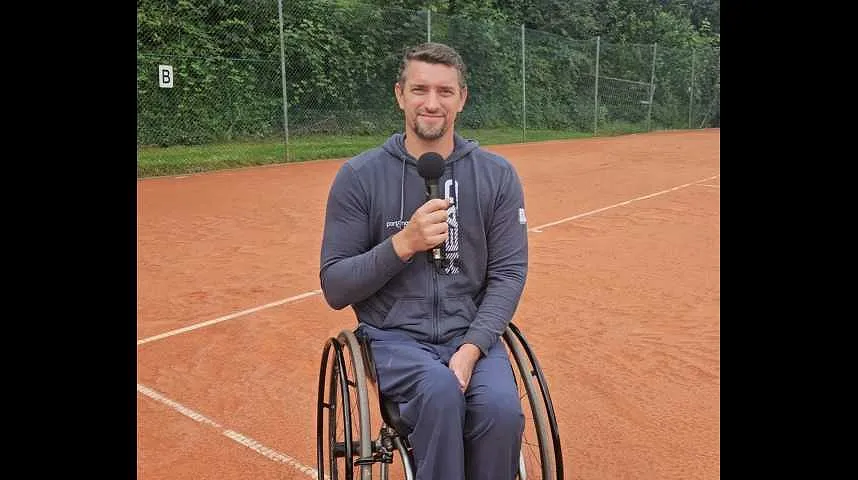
column 462, row 363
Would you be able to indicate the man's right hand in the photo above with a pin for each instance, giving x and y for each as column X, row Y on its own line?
column 426, row 229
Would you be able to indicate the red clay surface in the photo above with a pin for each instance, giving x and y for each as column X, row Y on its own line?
column 622, row 306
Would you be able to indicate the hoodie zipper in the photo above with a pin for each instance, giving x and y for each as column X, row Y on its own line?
column 435, row 314
column 435, row 301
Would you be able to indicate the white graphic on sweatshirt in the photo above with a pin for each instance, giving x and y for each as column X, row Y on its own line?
column 451, row 247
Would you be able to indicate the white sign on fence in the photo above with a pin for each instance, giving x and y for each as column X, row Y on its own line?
column 165, row 76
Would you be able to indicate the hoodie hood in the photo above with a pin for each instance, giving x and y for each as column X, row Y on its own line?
column 395, row 145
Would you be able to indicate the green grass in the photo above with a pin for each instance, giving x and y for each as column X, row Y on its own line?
column 177, row 160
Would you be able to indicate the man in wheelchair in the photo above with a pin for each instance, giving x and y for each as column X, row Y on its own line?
column 425, row 237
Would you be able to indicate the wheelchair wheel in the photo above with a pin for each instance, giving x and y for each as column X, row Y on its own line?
column 389, row 443
column 343, row 443
column 541, row 457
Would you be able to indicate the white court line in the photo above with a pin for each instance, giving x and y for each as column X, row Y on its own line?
column 228, row 317
column 710, row 185
column 591, row 212
column 246, row 441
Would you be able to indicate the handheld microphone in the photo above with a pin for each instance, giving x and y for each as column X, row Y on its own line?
column 430, row 166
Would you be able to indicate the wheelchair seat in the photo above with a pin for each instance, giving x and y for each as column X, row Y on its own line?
column 390, row 415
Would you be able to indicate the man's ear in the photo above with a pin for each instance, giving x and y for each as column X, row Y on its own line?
column 397, row 91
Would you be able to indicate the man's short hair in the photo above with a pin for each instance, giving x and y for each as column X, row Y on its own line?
column 432, row 52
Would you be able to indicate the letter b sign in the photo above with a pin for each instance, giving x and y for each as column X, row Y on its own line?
column 165, row 76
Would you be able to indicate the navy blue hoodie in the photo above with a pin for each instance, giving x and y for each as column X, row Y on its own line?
column 476, row 292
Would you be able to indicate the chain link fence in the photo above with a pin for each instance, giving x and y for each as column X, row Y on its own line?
column 216, row 72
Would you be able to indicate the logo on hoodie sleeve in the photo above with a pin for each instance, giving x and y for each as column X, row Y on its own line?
column 521, row 218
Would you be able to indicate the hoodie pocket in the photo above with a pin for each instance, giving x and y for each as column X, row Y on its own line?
column 408, row 312
column 457, row 313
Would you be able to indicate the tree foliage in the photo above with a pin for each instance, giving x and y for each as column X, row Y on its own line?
column 341, row 59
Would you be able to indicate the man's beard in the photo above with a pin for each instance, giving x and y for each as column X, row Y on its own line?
column 429, row 133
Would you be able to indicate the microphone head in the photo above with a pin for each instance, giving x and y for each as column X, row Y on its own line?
column 430, row 165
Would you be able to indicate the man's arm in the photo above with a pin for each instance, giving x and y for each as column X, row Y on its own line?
column 506, row 271
column 352, row 268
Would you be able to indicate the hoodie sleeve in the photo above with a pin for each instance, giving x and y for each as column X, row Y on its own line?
column 352, row 268
column 507, row 265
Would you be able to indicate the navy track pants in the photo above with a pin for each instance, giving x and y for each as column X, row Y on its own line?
column 455, row 436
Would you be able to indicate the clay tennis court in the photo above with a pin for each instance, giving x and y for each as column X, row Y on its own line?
column 622, row 307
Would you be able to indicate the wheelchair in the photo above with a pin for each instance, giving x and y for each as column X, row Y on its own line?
column 359, row 432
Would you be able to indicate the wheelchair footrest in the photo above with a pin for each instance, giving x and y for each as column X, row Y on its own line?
column 383, row 457
column 365, row 461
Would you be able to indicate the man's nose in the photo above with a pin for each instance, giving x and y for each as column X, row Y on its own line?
column 431, row 102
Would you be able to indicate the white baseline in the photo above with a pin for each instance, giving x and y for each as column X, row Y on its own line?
column 591, row 212
column 228, row 317
column 243, row 440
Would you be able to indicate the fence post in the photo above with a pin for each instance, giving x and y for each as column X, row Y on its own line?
column 283, row 79
column 691, row 90
column 523, row 90
column 651, row 90
column 428, row 25
column 596, row 89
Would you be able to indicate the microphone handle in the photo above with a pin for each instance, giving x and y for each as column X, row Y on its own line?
column 432, row 188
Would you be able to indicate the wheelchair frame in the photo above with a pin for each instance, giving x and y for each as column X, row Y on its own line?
column 352, row 355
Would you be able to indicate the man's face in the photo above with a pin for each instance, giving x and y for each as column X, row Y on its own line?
column 430, row 98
